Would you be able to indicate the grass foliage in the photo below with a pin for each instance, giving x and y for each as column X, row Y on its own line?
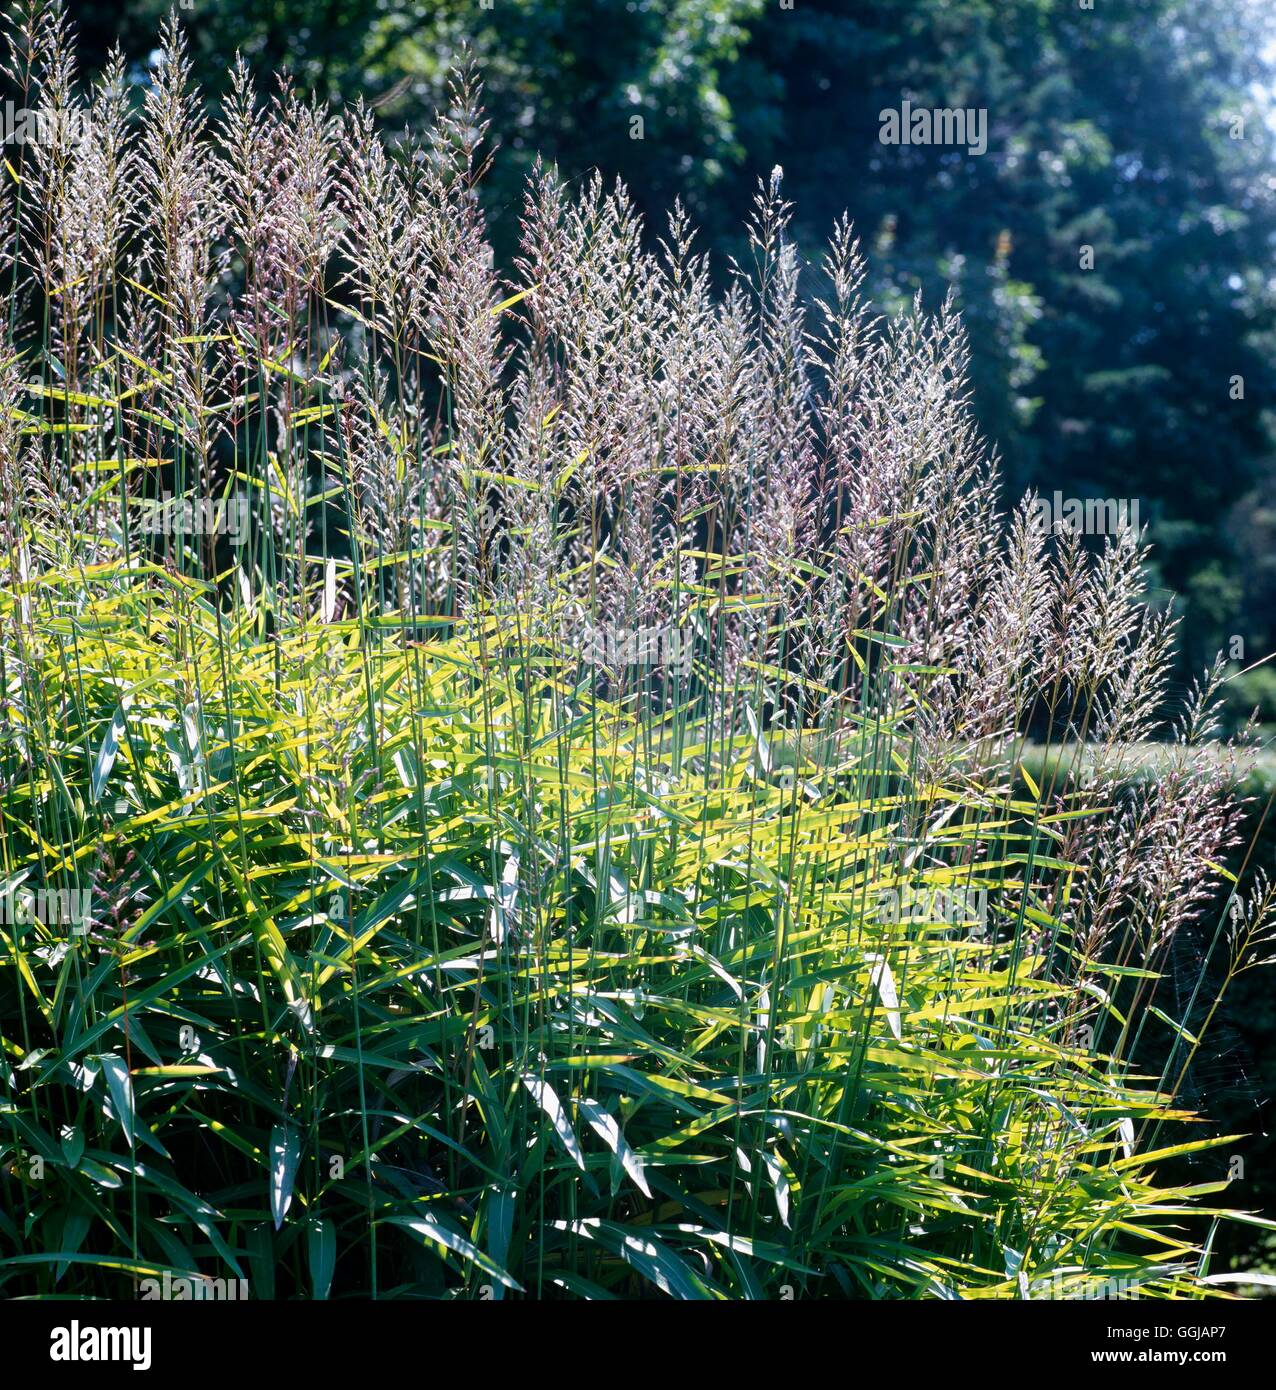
column 443, row 942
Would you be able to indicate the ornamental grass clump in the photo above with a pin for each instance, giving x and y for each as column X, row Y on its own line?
column 511, row 783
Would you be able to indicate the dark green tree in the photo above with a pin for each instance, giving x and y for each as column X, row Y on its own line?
column 1111, row 249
